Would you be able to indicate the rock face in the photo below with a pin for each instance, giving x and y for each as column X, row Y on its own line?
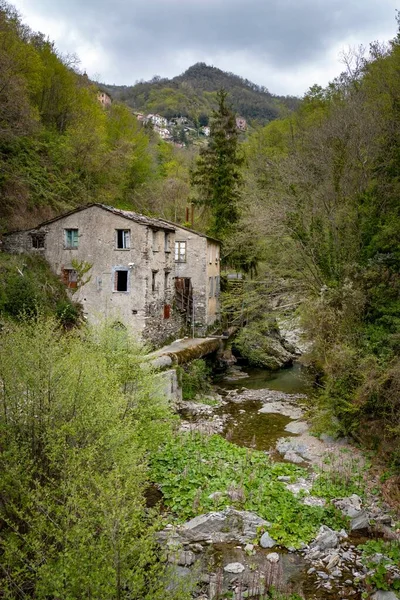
column 351, row 507
column 263, row 346
column 229, row 525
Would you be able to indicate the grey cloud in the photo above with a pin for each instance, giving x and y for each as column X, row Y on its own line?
column 147, row 37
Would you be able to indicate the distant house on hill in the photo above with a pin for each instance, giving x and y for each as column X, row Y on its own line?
column 158, row 120
column 163, row 132
column 241, row 123
column 153, row 276
column 104, row 98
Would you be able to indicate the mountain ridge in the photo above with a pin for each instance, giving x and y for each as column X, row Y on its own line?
column 192, row 94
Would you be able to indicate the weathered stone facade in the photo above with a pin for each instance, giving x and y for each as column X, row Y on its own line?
column 199, row 261
column 133, row 267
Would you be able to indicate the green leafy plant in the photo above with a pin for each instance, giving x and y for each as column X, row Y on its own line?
column 195, row 379
column 191, row 467
column 381, row 557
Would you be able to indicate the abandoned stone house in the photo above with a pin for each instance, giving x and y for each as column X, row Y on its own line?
column 153, row 276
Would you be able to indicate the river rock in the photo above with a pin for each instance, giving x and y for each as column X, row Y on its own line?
column 184, row 558
column 313, row 501
column 381, row 595
column 229, row 525
column 361, row 521
column 301, row 485
column 285, row 445
column 266, row 541
column 273, row 557
column 291, row 456
column 350, row 506
column 262, row 345
column 326, row 538
column 282, row 408
column 298, row 427
column 235, row 568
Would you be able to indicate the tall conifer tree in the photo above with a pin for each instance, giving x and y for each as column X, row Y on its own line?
column 217, row 173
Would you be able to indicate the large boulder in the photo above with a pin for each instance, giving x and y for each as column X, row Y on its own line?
column 263, row 346
column 229, row 525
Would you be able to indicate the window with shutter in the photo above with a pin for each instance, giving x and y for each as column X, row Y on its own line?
column 71, row 238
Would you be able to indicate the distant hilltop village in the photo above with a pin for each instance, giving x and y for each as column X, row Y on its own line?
column 165, row 128
column 177, row 129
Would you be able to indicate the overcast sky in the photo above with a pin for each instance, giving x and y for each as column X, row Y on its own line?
column 285, row 45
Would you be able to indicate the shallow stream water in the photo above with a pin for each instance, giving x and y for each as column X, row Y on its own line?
column 247, row 427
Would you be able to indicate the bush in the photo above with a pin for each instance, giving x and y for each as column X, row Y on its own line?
column 195, row 379
column 28, row 287
column 74, row 449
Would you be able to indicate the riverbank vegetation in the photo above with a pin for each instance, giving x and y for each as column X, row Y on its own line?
column 320, row 204
column 199, row 474
column 79, row 417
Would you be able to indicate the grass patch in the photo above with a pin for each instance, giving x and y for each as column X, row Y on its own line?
column 190, row 467
column 341, row 476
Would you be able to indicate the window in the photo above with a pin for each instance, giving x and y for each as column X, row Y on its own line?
column 121, row 280
column 155, row 241
column 210, row 287
column 166, row 242
column 166, row 280
column 153, row 281
column 71, row 238
column 210, row 254
column 180, row 252
column 123, row 239
column 217, row 285
column 70, row 278
column 38, row 240
column 216, row 254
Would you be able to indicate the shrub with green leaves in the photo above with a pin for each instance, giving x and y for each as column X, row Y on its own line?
column 382, row 558
column 79, row 417
column 195, row 379
column 28, row 287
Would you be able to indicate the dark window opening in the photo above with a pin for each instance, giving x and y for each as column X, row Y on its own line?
column 38, row 240
column 121, row 281
column 123, row 242
column 153, row 281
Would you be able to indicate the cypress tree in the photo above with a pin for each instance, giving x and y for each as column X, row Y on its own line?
column 217, row 174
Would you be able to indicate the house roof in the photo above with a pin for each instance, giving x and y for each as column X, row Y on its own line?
column 126, row 214
column 192, row 231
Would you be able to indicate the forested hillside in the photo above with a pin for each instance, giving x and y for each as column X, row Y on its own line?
column 193, row 94
column 321, row 208
column 314, row 197
column 60, row 148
